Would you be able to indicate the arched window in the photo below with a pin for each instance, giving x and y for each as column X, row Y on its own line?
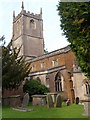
column 32, row 24
column 38, row 79
column 87, row 88
column 58, row 84
column 33, row 68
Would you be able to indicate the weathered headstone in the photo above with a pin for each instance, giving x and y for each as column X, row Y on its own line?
column 25, row 100
column 86, row 107
column 50, row 101
column 58, row 101
column 39, row 100
column 15, row 100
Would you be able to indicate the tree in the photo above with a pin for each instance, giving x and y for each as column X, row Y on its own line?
column 45, row 50
column 75, row 23
column 14, row 68
column 35, row 87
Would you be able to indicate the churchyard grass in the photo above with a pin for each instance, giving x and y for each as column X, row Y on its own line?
column 72, row 111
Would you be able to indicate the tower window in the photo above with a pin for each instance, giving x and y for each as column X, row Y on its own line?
column 32, row 24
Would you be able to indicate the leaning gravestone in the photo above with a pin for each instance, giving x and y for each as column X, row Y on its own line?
column 50, row 101
column 25, row 100
column 58, row 101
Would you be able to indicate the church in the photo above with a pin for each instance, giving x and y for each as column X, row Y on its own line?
column 57, row 69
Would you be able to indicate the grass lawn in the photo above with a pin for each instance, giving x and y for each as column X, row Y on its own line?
column 72, row 111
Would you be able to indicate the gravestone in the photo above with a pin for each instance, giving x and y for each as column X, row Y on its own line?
column 87, row 108
column 58, row 101
column 15, row 100
column 50, row 101
column 39, row 100
column 25, row 100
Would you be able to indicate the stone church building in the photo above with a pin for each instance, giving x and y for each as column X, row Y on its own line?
column 57, row 69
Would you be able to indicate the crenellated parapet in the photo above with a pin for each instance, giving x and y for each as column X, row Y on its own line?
column 27, row 13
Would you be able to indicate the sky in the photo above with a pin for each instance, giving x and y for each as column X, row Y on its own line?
column 52, row 33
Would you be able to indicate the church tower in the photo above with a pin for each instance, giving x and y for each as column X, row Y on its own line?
column 28, row 33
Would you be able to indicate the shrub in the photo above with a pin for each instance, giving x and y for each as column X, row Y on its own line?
column 35, row 87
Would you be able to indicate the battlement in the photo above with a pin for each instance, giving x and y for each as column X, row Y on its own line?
column 32, row 15
column 27, row 13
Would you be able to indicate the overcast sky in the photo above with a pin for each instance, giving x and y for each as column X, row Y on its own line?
column 53, row 37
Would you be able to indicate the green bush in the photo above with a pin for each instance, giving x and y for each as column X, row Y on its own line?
column 35, row 87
